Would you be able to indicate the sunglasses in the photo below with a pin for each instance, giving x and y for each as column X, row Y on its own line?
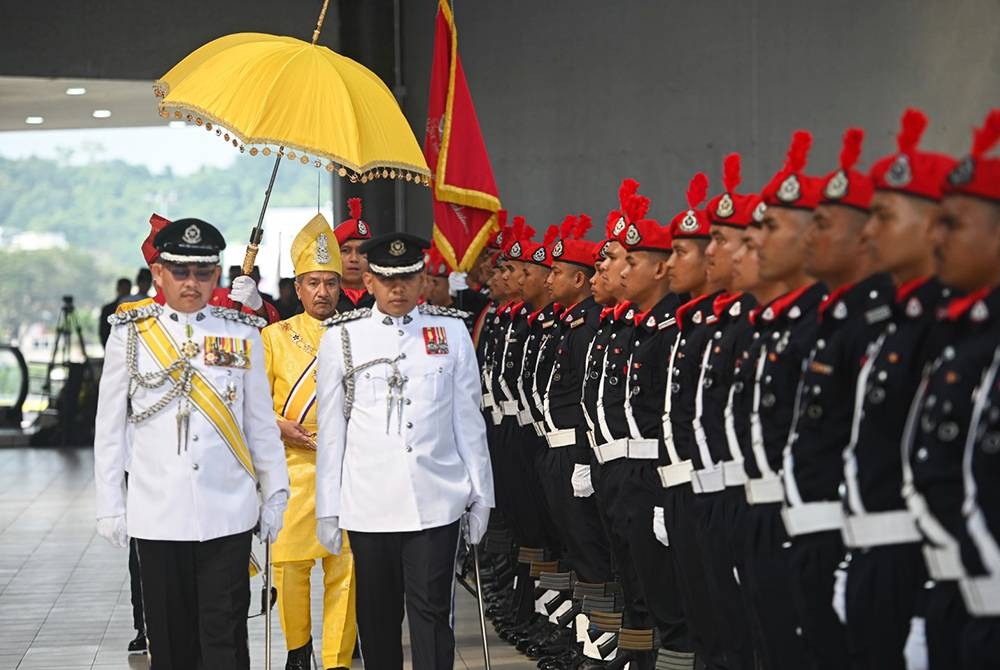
column 182, row 272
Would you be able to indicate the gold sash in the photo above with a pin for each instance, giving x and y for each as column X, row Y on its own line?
column 203, row 395
column 300, row 405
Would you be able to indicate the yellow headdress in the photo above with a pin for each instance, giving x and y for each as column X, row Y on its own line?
column 315, row 248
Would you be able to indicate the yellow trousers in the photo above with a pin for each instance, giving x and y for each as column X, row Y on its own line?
column 340, row 628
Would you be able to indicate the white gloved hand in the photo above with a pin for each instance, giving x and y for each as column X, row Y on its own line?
column 582, row 485
column 840, row 594
column 244, row 290
column 660, row 527
column 328, row 533
column 272, row 516
column 457, row 282
column 112, row 529
column 915, row 649
column 476, row 519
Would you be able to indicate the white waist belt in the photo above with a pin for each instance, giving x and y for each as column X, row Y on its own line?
column 487, row 401
column 878, row 529
column 591, row 440
column 765, row 490
column 524, row 418
column 944, row 563
column 496, row 416
column 508, row 407
column 981, row 595
column 626, row 448
column 733, row 473
column 561, row 438
column 708, row 480
column 814, row 517
column 675, row 474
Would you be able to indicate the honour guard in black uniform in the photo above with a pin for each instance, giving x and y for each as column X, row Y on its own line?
column 351, row 234
column 401, row 455
column 184, row 408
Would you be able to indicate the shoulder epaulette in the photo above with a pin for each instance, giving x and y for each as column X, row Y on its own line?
column 242, row 317
column 353, row 315
column 436, row 310
column 134, row 311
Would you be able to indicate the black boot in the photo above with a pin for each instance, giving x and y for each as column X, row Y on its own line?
column 301, row 658
column 138, row 645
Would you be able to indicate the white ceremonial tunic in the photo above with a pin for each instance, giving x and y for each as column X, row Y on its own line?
column 421, row 468
column 203, row 492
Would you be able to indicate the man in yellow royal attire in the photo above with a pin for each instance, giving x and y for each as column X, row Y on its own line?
column 290, row 348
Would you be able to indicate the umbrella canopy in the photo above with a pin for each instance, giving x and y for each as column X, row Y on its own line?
column 261, row 91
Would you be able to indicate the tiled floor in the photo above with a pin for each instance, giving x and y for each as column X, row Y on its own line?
column 64, row 598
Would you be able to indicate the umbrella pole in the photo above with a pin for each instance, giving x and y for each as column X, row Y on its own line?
column 258, row 232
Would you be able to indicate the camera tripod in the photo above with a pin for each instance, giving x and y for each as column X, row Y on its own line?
column 78, row 375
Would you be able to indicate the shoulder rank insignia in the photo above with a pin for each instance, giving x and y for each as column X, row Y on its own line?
column 437, row 310
column 241, row 317
column 135, row 311
column 353, row 315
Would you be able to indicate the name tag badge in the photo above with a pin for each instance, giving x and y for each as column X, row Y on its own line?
column 435, row 341
column 227, row 352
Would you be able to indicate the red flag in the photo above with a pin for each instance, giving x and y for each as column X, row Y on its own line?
column 464, row 191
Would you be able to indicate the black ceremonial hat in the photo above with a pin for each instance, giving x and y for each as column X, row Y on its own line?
column 189, row 241
column 395, row 254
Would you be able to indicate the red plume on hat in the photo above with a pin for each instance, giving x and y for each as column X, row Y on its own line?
column 353, row 228
column 847, row 186
column 790, row 187
column 156, row 224
column 730, row 208
column 496, row 239
column 692, row 222
column 909, row 170
column 571, row 247
column 434, row 263
column 632, row 207
column 976, row 174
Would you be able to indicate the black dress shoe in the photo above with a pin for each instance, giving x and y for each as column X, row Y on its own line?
column 301, row 658
column 138, row 645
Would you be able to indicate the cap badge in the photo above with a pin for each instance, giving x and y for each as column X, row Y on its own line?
column 790, row 189
column 499, row 241
column 836, row 188
column 899, row 174
column 758, row 212
column 362, row 227
column 632, row 237
column 619, row 226
column 725, row 207
column 397, row 248
column 689, row 223
column 603, row 252
column 963, row 172
column 442, row 269
column 557, row 250
column 515, row 250
column 192, row 234
column 539, row 255
column 322, row 249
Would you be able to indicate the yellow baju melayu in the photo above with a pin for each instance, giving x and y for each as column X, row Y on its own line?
column 290, row 348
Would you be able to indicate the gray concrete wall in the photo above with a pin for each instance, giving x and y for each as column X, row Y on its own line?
column 574, row 95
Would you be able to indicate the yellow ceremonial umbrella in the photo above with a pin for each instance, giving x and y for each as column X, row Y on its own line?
column 272, row 94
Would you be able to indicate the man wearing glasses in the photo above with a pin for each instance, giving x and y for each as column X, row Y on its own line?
column 184, row 408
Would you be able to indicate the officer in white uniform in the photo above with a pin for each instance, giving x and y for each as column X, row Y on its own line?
column 401, row 455
column 185, row 408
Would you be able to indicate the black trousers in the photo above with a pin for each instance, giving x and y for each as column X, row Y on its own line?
column 135, row 585
column 946, row 620
column 629, row 491
column 815, row 558
column 981, row 644
column 885, row 587
column 721, row 515
column 412, row 568
column 576, row 520
column 196, row 596
column 766, row 579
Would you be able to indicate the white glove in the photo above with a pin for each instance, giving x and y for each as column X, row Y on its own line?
column 660, row 527
column 328, row 533
column 476, row 518
column 272, row 516
column 582, row 486
column 840, row 594
column 112, row 529
column 244, row 290
column 915, row 649
column 457, row 282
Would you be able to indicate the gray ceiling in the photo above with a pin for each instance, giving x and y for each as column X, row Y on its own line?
column 131, row 103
